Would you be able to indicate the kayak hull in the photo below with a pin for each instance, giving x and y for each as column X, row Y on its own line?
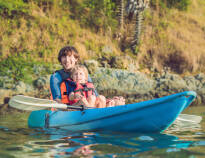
column 148, row 116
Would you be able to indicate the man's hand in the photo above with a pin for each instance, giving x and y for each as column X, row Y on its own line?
column 58, row 101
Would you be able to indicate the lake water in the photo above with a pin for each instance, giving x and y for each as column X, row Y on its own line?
column 182, row 139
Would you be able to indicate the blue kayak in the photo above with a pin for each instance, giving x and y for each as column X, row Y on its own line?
column 148, row 116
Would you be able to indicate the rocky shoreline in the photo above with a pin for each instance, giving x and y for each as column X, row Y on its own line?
column 134, row 86
column 138, row 86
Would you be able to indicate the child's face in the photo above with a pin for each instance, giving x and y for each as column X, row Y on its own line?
column 79, row 76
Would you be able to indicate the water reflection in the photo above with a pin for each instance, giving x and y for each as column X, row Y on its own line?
column 55, row 143
column 183, row 126
column 104, row 144
column 180, row 140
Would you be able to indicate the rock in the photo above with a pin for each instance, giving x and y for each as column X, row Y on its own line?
column 192, row 83
column 105, row 55
column 4, row 93
column 38, row 69
column 171, row 83
column 198, row 100
column 6, row 100
column 91, row 65
column 21, row 87
column 119, row 62
column 6, row 82
column 121, row 82
column 134, row 86
column 201, row 80
column 124, row 62
column 42, row 82
column 201, row 93
column 105, row 64
column 200, row 77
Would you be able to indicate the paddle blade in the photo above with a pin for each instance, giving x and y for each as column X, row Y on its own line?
column 189, row 118
column 31, row 104
column 22, row 106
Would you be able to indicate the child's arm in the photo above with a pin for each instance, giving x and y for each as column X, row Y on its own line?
column 73, row 96
column 90, row 80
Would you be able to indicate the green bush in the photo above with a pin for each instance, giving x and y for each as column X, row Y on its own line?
column 179, row 4
column 20, row 68
column 14, row 67
column 13, row 7
column 98, row 15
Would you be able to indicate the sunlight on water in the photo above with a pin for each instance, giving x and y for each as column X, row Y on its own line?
column 183, row 139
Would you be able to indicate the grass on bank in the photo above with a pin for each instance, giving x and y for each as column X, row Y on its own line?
column 38, row 29
column 175, row 39
column 47, row 27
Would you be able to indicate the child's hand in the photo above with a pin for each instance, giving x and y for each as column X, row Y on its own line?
column 83, row 101
column 58, row 101
column 72, row 96
column 78, row 96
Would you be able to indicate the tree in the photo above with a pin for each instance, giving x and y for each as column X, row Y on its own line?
column 134, row 10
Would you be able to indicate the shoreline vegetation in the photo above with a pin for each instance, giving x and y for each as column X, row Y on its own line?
column 169, row 57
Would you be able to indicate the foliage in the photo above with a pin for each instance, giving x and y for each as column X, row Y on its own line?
column 179, row 4
column 14, row 67
column 13, row 7
column 51, row 24
column 98, row 15
column 20, row 68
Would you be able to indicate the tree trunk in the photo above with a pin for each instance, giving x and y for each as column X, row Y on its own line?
column 121, row 14
column 137, row 31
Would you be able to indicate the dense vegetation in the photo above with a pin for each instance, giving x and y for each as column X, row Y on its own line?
column 33, row 31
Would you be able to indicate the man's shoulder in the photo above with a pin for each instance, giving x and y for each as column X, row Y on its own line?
column 64, row 75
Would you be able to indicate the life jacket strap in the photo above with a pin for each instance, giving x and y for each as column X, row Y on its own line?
column 85, row 89
column 79, row 90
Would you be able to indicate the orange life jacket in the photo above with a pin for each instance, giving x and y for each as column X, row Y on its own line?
column 68, row 86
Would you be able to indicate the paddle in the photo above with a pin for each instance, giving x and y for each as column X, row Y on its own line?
column 189, row 118
column 31, row 104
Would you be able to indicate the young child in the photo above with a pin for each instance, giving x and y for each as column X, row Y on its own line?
column 83, row 93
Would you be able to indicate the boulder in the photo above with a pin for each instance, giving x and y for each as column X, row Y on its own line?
column 6, row 82
column 21, row 87
column 170, row 83
column 42, row 82
column 91, row 65
column 112, row 82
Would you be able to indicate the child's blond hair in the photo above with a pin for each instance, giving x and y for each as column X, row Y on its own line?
column 79, row 67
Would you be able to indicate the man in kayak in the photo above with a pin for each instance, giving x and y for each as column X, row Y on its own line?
column 68, row 57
